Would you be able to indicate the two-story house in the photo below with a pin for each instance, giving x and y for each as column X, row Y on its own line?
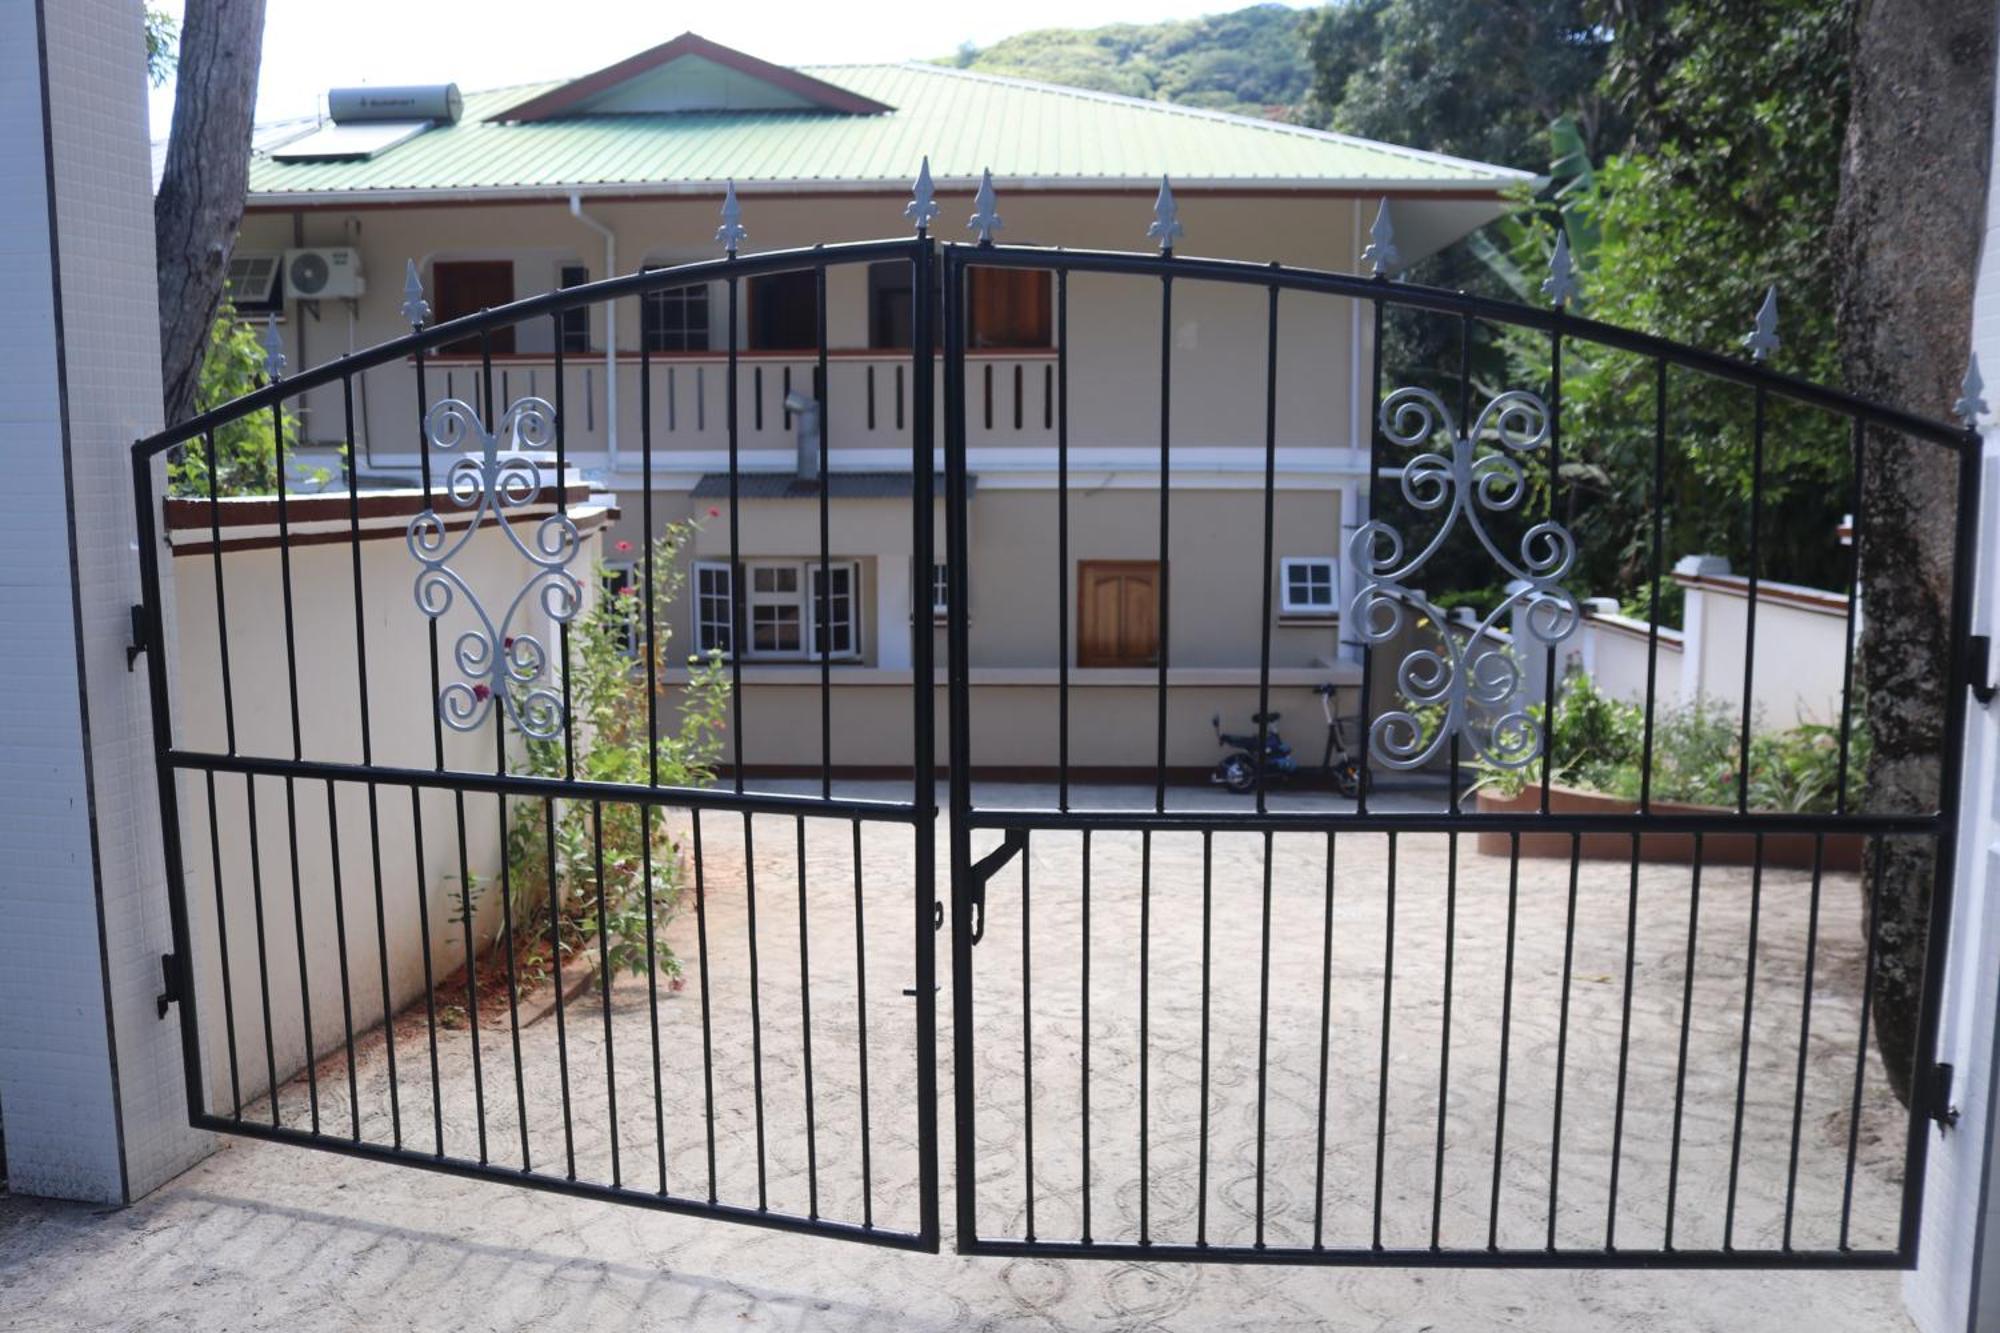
column 521, row 190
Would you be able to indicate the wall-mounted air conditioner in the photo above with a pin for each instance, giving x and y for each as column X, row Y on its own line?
column 324, row 274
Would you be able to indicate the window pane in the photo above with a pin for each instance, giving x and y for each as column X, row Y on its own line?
column 675, row 319
column 784, row 311
column 712, row 609
column 1008, row 307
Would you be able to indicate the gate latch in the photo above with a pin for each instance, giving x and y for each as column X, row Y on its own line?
column 170, row 981
column 136, row 644
column 1979, row 666
column 1941, row 1109
column 984, row 869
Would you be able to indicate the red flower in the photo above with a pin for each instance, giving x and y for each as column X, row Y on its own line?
column 507, row 642
column 628, row 591
column 624, row 546
column 678, row 983
column 713, row 512
column 481, row 692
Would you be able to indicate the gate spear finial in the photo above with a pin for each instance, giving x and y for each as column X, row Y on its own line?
column 416, row 310
column 922, row 207
column 731, row 232
column 1560, row 285
column 1381, row 254
column 1970, row 406
column 1762, row 340
column 1166, row 227
column 985, row 209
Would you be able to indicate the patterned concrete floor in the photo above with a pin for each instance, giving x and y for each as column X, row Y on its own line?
column 264, row 1235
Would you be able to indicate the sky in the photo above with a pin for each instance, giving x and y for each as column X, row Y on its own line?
column 311, row 46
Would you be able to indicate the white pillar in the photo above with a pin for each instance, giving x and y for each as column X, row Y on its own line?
column 1694, row 621
column 1956, row 1284
column 90, row 1078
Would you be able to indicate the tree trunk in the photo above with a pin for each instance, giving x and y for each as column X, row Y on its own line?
column 1911, row 214
column 200, row 203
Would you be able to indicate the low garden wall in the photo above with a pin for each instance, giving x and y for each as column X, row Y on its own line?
column 1842, row 851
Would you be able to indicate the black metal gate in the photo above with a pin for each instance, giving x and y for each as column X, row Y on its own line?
column 1258, row 1069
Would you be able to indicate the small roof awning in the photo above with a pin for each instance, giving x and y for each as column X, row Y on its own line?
column 839, row 486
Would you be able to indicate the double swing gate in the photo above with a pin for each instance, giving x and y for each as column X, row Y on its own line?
column 1184, row 1025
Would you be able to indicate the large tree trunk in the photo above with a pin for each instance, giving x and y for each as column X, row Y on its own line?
column 200, row 203
column 1912, row 209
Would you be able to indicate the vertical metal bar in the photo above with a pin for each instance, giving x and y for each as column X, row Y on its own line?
column 1444, row 1036
column 1874, row 904
column 222, row 941
column 604, row 986
column 653, row 989
column 1681, row 1060
column 1374, row 477
column 1166, row 577
column 923, row 728
column 959, row 696
column 1562, row 1040
column 1207, row 976
column 1084, row 1116
column 707, row 1028
column 263, row 952
column 1145, row 1017
column 1027, row 1040
column 1388, row 996
column 1550, row 685
column 471, row 976
column 298, row 752
column 1658, row 559
column 1624, row 1052
column 646, row 557
column 1263, row 1035
column 1506, row 1036
column 340, row 947
column 805, row 1027
column 430, row 981
column 1465, row 415
column 214, row 829
column 1325, row 1048
column 508, row 946
column 1743, row 1048
column 557, row 891
column 562, row 507
column 1750, row 605
column 756, row 1005
column 738, row 629
column 1062, row 539
column 367, row 758
column 824, row 602
column 1270, row 522
column 1805, row 1036
column 861, row 1029
column 1853, row 590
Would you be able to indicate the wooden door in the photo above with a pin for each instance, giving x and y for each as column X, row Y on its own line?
column 1117, row 613
column 468, row 286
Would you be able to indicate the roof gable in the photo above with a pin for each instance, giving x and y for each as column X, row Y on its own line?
column 691, row 74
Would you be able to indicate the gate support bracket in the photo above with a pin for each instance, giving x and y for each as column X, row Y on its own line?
column 172, row 982
column 1941, row 1110
column 985, row 868
column 1979, row 667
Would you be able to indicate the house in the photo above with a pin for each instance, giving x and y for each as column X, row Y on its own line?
column 508, row 193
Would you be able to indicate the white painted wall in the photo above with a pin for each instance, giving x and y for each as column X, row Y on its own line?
column 90, row 1078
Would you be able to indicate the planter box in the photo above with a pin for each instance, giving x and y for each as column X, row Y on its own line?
column 1791, row 850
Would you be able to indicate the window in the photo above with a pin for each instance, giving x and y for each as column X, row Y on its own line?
column 784, row 311
column 940, row 589
column 1008, row 307
column 1310, row 584
column 252, row 284
column 575, row 322
column 891, row 306
column 782, row 601
column 674, row 319
column 712, row 619
column 1117, row 613
column 466, row 287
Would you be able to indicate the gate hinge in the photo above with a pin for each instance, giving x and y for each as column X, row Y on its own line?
column 985, row 868
column 136, row 643
column 1979, row 666
column 1939, row 1106
column 170, row 981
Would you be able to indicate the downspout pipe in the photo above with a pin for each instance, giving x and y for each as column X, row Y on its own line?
column 610, row 331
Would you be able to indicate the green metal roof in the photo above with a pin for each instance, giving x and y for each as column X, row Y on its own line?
column 1028, row 133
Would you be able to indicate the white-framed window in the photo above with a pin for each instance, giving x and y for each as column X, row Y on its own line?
column 1309, row 585
column 781, row 601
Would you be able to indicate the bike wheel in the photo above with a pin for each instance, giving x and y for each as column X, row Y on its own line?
column 1237, row 773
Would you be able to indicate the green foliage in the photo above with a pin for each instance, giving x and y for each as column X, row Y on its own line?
column 1252, row 61
column 246, row 456
column 163, row 33
column 1599, row 744
column 615, row 857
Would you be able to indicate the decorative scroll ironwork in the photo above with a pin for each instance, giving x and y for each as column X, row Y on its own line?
column 1476, row 682
column 498, row 658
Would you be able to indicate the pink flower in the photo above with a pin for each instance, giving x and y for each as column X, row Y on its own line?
column 713, row 512
column 481, row 692
column 678, row 983
column 624, row 546
column 628, row 591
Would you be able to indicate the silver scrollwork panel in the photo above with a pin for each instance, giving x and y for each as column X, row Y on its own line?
column 1462, row 476
column 496, row 659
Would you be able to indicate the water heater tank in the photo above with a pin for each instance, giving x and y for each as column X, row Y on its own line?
column 433, row 102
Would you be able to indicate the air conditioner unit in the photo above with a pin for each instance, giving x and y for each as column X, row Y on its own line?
column 327, row 273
